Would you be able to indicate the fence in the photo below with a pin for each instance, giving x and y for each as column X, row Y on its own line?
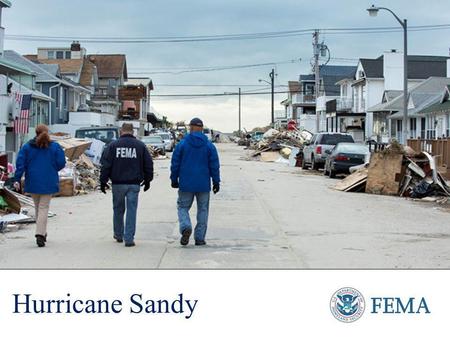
column 439, row 148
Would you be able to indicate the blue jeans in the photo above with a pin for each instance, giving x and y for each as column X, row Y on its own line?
column 125, row 197
column 185, row 200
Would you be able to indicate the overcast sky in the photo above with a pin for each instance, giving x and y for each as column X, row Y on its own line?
column 146, row 18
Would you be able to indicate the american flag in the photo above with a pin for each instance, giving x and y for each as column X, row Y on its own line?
column 21, row 122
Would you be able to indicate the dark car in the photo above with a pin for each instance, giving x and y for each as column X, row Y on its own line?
column 315, row 151
column 344, row 156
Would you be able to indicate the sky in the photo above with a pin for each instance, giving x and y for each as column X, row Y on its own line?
column 150, row 18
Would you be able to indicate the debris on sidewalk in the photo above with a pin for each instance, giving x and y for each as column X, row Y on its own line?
column 398, row 171
column 73, row 148
column 11, row 212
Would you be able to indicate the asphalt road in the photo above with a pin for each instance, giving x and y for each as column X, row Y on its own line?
column 267, row 215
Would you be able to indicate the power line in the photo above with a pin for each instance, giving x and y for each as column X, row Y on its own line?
column 226, row 37
column 213, row 69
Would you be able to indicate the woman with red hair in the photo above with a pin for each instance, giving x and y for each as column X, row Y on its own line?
column 40, row 160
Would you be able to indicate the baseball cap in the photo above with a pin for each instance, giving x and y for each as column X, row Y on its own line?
column 196, row 122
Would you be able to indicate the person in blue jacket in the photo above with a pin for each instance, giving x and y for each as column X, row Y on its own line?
column 195, row 163
column 40, row 160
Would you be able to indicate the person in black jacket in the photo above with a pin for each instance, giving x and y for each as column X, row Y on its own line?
column 129, row 165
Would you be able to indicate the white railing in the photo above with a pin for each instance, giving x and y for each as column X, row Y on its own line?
column 344, row 103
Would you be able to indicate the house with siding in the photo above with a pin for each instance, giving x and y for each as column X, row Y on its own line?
column 380, row 78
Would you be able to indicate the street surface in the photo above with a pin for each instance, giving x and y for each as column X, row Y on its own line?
column 267, row 215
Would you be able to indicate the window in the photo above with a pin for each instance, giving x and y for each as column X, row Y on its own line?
column 65, row 98
column 60, row 55
column 51, row 54
column 423, row 124
column 431, row 127
column 68, row 54
column 448, row 125
column 309, row 89
column 56, row 97
column 413, row 127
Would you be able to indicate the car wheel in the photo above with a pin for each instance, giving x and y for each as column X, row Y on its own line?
column 332, row 173
column 304, row 166
column 314, row 165
column 325, row 171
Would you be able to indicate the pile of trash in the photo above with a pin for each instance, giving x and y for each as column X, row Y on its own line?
column 279, row 146
column 398, row 171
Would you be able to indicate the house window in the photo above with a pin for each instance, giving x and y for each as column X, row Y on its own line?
column 51, row 54
column 68, row 54
column 65, row 98
column 448, row 125
column 423, row 124
column 56, row 97
column 412, row 128
column 431, row 127
column 309, row 89
column 60, row 55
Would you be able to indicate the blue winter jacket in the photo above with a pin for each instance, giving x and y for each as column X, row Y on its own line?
column 41, row 167
column 194, row 163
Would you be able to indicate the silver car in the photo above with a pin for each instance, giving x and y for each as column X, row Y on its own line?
column 169, row 142
column 315, row 152
column 156, row 142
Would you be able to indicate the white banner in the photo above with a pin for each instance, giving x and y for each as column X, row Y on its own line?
column 224, row 303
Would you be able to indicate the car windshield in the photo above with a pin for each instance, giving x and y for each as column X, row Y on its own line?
column 206, row 131
column 104, row 135
column 352, row 148
column 333, row 139
column 152, row 140
column 165, row 136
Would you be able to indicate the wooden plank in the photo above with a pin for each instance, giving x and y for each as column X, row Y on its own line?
column 352, row 180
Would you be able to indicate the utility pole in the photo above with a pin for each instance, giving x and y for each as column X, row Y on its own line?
column 240, row 121
column 272, row 78
column 317, row 74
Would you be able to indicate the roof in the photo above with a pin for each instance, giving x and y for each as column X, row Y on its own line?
column 136, row 81
column 294, row 86
column 5, row 3
column 438, row 107
column 31, row 57
column 330, row 75
column 110, row 66
column 67, row 66
column 419, row 66
column 10, row 67
column 52, row 69
column 422, row 95
column 88, row 71
column 41, row 74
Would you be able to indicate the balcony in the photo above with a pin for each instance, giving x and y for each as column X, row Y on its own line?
column 344, row 104
column 303, row 99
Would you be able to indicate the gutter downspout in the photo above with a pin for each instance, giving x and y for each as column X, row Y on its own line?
column 50, row 103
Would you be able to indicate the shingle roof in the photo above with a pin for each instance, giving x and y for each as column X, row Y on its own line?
column 5, row 3
column 67, row 66
column 110, row 66
column 52, row 69
column 41, row 74
column 419, row 66
column 438, row 107
column 31, row 57
column 87, row 72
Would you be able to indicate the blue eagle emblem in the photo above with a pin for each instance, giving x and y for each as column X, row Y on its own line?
column 348, row 304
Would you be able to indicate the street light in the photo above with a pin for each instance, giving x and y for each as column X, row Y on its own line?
column 272, row 84
column 373, row 11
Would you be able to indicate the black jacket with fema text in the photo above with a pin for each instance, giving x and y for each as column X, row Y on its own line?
column 127, row 161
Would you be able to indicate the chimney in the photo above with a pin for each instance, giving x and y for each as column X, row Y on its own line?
column 393, row 70
column 76, row 51
column 75, row 47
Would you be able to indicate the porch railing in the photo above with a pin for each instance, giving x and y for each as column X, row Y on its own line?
column 440, row 148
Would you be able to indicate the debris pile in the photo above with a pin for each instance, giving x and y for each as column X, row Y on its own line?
column 87, row 174
column 279, row 146
column 398, row 171
column 11, row 212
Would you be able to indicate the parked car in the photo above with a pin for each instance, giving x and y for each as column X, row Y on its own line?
column 208, row 133
column 344, row 156
column 169, row 142
column 104, row 134
column 156, row 142
column 314, row 152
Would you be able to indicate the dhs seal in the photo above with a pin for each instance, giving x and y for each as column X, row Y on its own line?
column 347, row 305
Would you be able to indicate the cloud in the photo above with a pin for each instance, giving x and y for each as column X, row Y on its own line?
column 116, row 18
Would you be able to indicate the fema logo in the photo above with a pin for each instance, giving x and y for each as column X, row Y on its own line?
column 347, row 305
